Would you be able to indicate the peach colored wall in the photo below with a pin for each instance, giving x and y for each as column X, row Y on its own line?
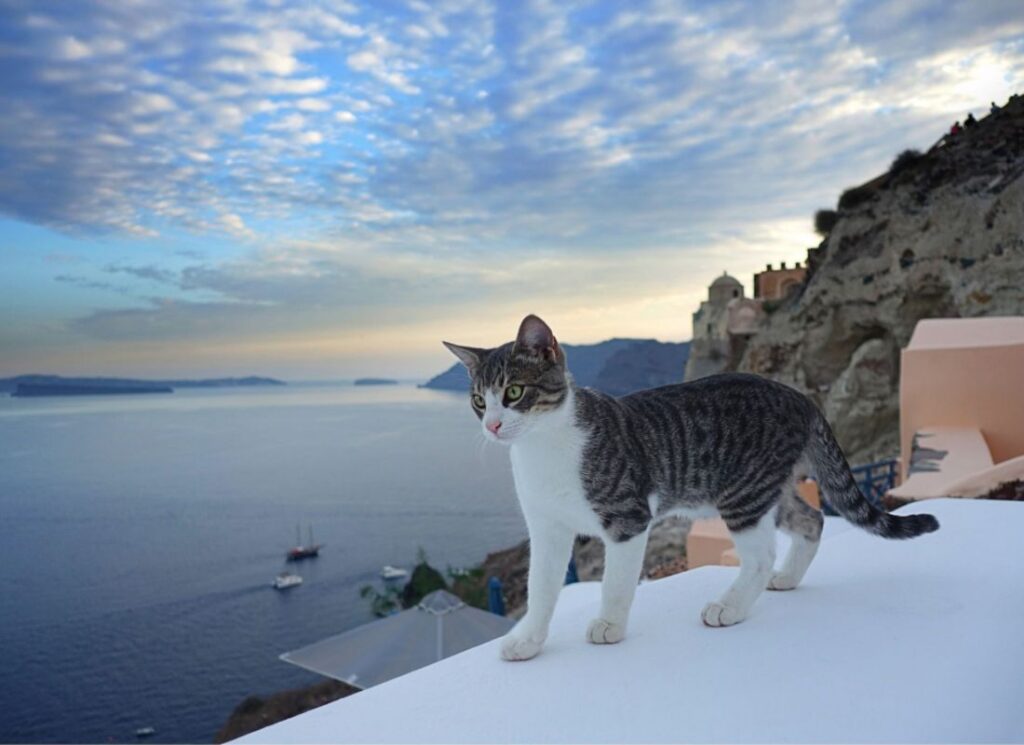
column 808, row 490
column 769, row 285
column 981, row 386
column 706, row 542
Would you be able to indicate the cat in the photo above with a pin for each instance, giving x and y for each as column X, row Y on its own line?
column 586, row 463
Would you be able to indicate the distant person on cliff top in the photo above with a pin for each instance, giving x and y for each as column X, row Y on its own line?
column 970, row 121
column 994, row 108
column 955, row 129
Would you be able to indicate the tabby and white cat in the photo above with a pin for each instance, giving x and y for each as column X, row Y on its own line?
column 590, row 464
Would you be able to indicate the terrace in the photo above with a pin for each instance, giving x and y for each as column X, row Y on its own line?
column 886, row 641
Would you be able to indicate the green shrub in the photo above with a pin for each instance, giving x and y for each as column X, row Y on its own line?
column 855, row 196
column 381, row 603
column 824, row 221
column 905, row 160
column 423, row 581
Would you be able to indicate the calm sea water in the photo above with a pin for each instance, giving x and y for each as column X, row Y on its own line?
column 140, row 535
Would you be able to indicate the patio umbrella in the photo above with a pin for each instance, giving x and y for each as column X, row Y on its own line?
column 440, row 626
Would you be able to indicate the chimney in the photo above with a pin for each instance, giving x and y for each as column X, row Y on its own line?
column 797, row 265
column 782, row 265
column 769, row 268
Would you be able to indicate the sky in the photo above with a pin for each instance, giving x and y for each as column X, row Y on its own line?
column 326, row 190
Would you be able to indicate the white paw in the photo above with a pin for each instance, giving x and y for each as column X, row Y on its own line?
column 781, row 581
column 717, row 614
column 601, row 631
column 515, row 648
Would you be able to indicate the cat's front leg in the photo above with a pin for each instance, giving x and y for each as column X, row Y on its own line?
column 550, row 548
column 622, row 564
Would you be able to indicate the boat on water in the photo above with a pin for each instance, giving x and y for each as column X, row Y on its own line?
column 390, row 572
column 145, row 732
column 285, row 580
column 302, row 551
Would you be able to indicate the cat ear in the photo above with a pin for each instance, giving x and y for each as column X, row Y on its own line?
column 536, row 336
column 469, row 356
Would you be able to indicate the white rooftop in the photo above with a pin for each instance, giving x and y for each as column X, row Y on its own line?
column 886, row 641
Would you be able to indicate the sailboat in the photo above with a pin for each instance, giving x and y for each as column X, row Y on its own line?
column 300, row 551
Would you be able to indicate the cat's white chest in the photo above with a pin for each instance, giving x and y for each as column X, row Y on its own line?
column 546, row 469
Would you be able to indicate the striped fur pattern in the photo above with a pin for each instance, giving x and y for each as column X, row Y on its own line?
column 729, row 444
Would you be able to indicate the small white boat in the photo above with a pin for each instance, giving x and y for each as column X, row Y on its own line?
column 145, row 732
column 390, row 572
column 285, row 580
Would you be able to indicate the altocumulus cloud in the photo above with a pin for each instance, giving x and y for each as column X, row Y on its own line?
column 431, row 152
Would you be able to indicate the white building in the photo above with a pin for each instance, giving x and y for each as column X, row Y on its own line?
column 721, row 326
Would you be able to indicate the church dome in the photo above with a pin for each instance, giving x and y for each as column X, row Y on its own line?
column 726, row 281
column 724, row 289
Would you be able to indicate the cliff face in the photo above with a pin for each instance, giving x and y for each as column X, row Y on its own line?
column 941, row 236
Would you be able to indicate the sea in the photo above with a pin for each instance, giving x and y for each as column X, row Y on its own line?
column 140, row 535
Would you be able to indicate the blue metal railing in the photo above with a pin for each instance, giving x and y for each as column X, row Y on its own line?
column 496, row 601
column 873, row 480
column 571, row 577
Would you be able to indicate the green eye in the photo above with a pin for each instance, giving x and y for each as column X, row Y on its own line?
column 478, row 401
column 513, row 393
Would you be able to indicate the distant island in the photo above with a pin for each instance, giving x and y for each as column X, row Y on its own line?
column 30, row 390
column 375, row 381
column 56, row 385
column 616, row 366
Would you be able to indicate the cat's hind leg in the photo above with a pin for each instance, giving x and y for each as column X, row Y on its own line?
column 803, row 524
column 755, row 546
column 623, row 562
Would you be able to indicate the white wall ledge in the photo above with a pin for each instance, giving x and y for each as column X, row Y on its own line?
column 886, row 641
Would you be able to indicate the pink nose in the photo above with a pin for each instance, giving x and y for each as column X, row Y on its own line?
column 493, row 427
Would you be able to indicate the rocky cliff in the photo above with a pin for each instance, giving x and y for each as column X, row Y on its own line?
column 941, row 235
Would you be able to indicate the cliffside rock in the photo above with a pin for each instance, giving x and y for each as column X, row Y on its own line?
column 666, row 548
column 666, row 554
column 865, row 399
column 941, row 237
column 256, row 712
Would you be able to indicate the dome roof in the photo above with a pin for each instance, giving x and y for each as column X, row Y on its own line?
column 726, row 281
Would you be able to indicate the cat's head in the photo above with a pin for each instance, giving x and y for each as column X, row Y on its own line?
column 514, row 387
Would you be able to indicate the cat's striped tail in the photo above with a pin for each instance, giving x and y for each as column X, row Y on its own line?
column 838, row 486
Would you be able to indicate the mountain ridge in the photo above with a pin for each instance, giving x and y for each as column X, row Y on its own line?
column 9, row 385
column 616, row 366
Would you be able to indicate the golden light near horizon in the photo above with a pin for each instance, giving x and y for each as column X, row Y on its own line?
column 653, row 298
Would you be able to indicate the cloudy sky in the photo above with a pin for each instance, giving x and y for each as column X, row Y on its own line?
column 326, row 190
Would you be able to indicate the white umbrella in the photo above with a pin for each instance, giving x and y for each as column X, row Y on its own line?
column 440, row 626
